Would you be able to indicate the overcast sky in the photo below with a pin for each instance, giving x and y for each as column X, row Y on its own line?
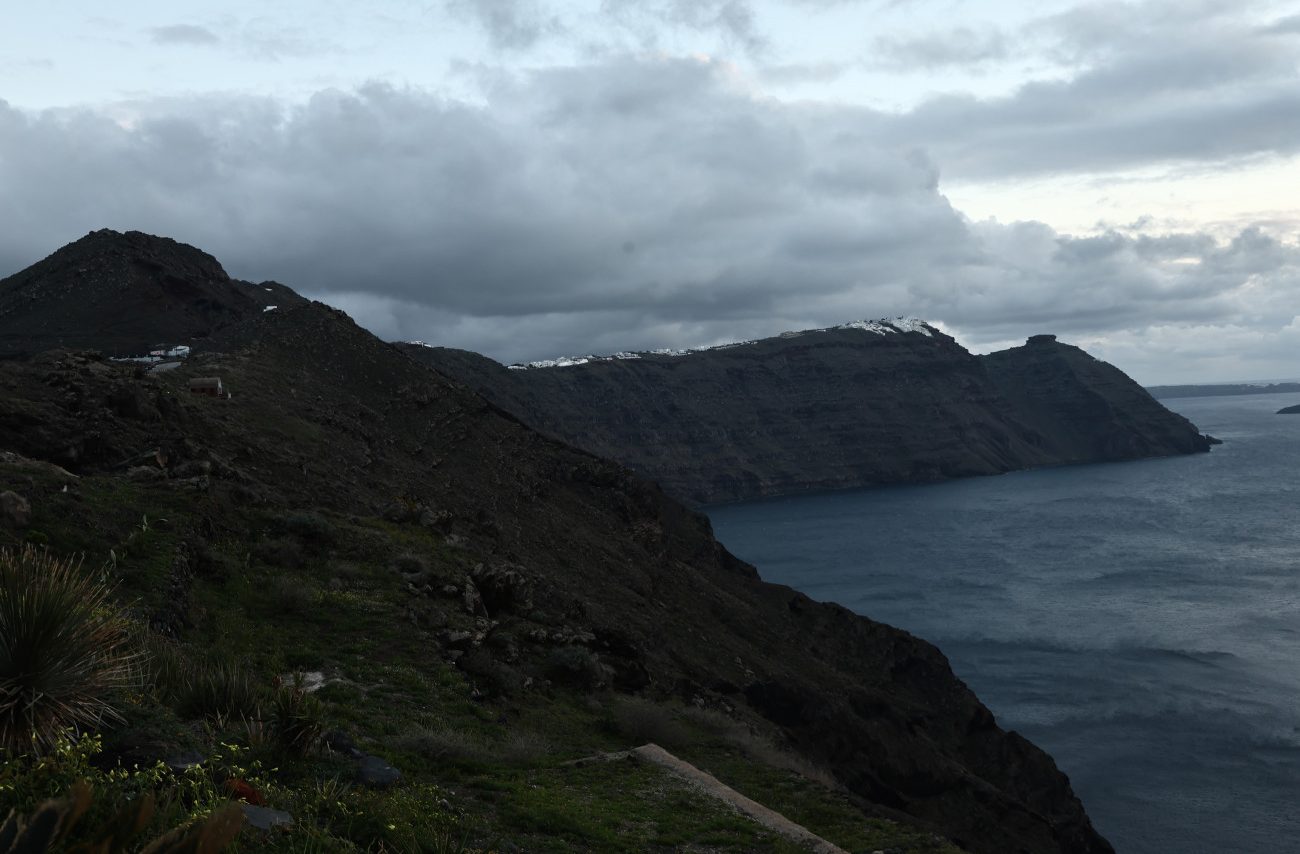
column 534, row 178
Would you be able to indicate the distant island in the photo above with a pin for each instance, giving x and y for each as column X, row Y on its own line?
column 1289, row 410
column 1163, row 392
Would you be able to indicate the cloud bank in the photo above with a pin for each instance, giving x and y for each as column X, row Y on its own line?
column 642, row 202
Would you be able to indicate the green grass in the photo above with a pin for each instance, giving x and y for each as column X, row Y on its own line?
column 492, row 769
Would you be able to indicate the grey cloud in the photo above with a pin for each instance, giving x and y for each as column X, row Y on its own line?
column 1208, row 100
column 630, row 205
column 961, row 46
column 509, row 24
column 183, row 34
column 733, row 19
column 1146, row 83
column 1287, row 26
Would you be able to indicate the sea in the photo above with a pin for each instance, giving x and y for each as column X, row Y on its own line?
column 1139, row 621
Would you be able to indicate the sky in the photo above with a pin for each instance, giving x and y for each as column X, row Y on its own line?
column 537, row 178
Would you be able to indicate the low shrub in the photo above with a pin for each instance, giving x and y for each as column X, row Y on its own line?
column 643, row 721
column 218, row 688
column 310, row 527
column 65, row 650
column 444, row 744
column 575, row 666
column 298, row 718
column 763, row 750
column 292, row 596
column 167, row 668
column 280, row 551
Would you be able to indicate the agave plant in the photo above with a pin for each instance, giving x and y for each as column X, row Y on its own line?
column 64, row 650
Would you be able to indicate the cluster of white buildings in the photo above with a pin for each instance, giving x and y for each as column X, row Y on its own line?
column 159, row 354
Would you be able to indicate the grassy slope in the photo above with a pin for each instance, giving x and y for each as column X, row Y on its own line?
column 279, row 597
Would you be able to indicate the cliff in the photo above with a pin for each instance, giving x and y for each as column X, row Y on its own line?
column 863, row 404
column 552, row 556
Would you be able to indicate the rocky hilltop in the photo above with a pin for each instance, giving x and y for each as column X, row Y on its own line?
column 468, row 565
column 125, row 294
column 867, row 403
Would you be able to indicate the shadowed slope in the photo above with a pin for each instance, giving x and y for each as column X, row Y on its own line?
column 326, row 415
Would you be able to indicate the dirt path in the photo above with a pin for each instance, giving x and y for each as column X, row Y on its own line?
column 712, row 786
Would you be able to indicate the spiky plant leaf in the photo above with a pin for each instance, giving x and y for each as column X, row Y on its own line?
column 64, row 650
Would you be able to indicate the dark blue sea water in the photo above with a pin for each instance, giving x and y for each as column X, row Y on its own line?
column 1139, row 621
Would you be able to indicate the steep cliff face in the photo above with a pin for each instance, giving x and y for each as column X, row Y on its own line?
column 833, row 408
column 327, row 416
column 1085, row 409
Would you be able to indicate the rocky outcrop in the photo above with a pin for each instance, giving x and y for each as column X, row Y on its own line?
column 1289, row 410
column 834, row 408
column 1084, row 409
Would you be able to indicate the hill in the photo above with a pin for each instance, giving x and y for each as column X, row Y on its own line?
column 124, row 294
column 862, row 404
column 462, row 584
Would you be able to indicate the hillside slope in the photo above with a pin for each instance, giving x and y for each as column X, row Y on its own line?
column 833, row 408
column 124, row 294
column 568, row 558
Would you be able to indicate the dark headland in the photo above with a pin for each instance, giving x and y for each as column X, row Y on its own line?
column 1289, row 410
column 868, row 403
column 486, row 603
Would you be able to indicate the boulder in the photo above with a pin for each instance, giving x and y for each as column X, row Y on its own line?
column 503, row 587
column 15, row 511
column 265, row 818
column 375, row 773
column 340, row 742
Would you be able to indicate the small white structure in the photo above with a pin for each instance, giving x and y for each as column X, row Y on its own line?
column 162, row 351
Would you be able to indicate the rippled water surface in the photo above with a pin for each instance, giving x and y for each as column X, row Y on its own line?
column 1139, row 621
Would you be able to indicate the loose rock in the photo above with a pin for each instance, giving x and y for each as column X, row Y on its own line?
column 15, row 510
column 264, row 818
column 377, row 774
